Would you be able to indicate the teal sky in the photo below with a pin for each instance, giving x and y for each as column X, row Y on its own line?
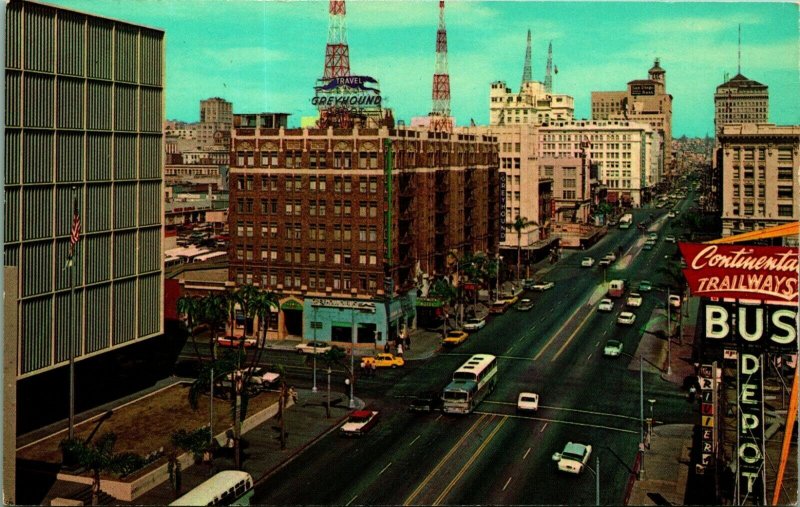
column 266, row 55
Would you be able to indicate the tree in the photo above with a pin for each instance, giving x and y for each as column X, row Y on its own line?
column 192, row 308
column 519, row 225
column 96, row 457
column 442, row 290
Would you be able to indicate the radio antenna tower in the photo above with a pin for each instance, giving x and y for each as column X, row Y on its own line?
column 548, row 76
column 440, row 115
column 337, row 52
column 739, row 59
column 527, row 75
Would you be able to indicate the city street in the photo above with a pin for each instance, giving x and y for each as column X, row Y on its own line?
column 495, row 456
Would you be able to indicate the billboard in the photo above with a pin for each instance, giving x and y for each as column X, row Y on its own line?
column 762, row 273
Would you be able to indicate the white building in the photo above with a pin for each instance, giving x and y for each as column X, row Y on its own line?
column 532, row 105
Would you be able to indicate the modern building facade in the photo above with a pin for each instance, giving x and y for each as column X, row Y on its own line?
column 760, row 176
column 644, row 101
column 345, row 224
column 740, row 100
column 84, row 111
column 626, row 153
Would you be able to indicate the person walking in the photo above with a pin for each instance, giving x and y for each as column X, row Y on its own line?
column 400, row 349
column 386, row 347
column 373, row 368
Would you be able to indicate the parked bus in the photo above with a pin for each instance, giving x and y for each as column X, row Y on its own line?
column 230, row 487
column 211, row 256
column 471, row 383
column 626, row 221
column 172, row 261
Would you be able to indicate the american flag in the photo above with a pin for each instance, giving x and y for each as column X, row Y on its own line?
column 75, row 232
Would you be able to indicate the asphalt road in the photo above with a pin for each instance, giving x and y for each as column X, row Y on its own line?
column 495, row 456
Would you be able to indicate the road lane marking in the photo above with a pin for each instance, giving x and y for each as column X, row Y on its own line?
column 441, row 463
column 552, row 338
column 574, row 333
column 440, row 416
column 574, row 423
column 589, row 356
column 541, row 430
column 384, row 468
column 351, row 500
column 412, row 442
column 506, row 484
column 528, row 451
column 597, row 344
column 469, row 463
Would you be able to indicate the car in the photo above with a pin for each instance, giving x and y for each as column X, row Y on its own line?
column 607, row 259
column 613, row 348
column 543, row 286
column 499, row 306
column 382, row 360
column 634, row 300
column 528, row 283
column 648, row 245
column 653, row 236
column 606, row 305
column 359, row 422
column 645, row 286
column 675, row 301
column 509, row 299
column 613, row 222
column 587, row 262
column 426, row 402
column 474, row 324
column 312, row 347
column 455, row 337
column 671, row 214
column 626, row 318
column 260, row 378
column 573, row 458
column 527, row 402
column 676, row 211
column 525, row 305
column 669, row 239
column 236, row 341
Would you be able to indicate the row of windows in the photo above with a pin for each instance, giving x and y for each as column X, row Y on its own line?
column 295, row 184
column 50, row 324
column 78, row 156
column 314, row 280
column 784, row 192
column 784, row 154
column 297, row 159
column 784, row 210
column 316, row 232
column 315, row 208
column 338, row 257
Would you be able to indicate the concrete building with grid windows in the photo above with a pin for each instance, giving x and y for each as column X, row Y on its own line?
column 759, row 176
column 84, row 109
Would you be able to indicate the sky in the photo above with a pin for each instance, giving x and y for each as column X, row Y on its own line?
column 265, row 56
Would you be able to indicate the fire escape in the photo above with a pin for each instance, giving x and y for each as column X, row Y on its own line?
column 440, row 223
column 405, row 222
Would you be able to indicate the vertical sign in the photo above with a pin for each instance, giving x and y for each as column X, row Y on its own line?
column 750, row 427
column 706, row 379
column 502, row 207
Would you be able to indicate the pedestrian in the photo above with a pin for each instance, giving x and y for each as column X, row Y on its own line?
column 692, row 393
column 408, row 342
column 373, row 368
column 293, row 394
column 386, row 347
column 400, row 349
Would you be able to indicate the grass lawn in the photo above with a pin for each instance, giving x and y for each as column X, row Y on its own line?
column 147, row 424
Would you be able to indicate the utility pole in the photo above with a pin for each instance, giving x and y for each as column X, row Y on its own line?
column 597, row 481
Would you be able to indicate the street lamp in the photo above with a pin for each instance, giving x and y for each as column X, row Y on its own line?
column 652, row 421
column 497, row 287
column 314, row 327
column 596, row 473
column 353, row 339
column 328, row 403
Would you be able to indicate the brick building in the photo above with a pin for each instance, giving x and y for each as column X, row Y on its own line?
column 345, row 224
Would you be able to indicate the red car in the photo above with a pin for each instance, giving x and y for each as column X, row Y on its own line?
column 236, row 341
column 359, row 422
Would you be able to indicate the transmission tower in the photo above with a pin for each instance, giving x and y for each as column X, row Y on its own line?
column 440, row 114
column 527, row 75
column 548, row 76
column 337, row 52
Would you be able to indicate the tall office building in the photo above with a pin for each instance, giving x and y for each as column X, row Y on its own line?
column 216, row 116
column 740, row 100
column 644, row 101
column 84, row 110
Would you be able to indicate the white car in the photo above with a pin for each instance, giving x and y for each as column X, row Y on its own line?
column 675, row 301
column 613, row 348
column 312, row 348
column 359, row 422
column 525, row 305
column 670, row 239
column 606, row 305
column 634, row 300
column 474, row 324
column 543, row 286
column 671, row 214
column 626, row 318
column 573, row 458
column 527, row 402
column 587, row 262
column 259, row 377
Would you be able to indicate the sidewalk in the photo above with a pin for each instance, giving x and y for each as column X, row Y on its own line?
column 666, row 467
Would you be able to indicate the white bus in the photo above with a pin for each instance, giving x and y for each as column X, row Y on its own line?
column 211, row 256
column 471, row 383
column 172, row 261
column 230, row 487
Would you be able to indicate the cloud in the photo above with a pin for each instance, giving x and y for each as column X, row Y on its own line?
column 696, row 24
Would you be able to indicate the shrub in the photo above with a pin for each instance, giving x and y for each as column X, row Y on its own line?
column 125, row 463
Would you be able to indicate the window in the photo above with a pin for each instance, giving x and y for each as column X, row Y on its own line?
column 249, row 183
column 348, row 184
column 762, row 190
column 362, row 234
column 569, row 183
column 785, row 210
column 736, row 190
column 312, row 208
column 748, row 191
column 362, row 257
column 373, row 210
column 317, row 159
column 269, row 158
column 347, row 257
column 373, row 233
column 294, row 159
column 362, row 185
column 785, row 192
column 748, row 208
column 569, row 194
column 347, row 208
column 373, row 184
column 321, row 208
column 298, row 208
column 342, row 160
column 785, row 173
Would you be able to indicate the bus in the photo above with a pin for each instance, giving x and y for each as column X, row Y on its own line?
column 172, row 261
column 471, row 383
column 211, row 256
column 230, row 487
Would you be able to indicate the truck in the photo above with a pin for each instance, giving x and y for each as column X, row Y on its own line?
column 616, row 288
column 626, row 221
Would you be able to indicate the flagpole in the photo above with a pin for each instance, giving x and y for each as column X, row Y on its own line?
column 73, row 241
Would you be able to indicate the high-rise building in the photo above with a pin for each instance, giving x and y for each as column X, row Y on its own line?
column 740, row 100
column 644, row 101
column 532, row 105
column 84, row 111
column 345, row 225
column 759, row 176
column 216, row 116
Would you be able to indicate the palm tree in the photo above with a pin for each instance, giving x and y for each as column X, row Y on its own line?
column 192, row 308
column 520, row 224
column 97, row 457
